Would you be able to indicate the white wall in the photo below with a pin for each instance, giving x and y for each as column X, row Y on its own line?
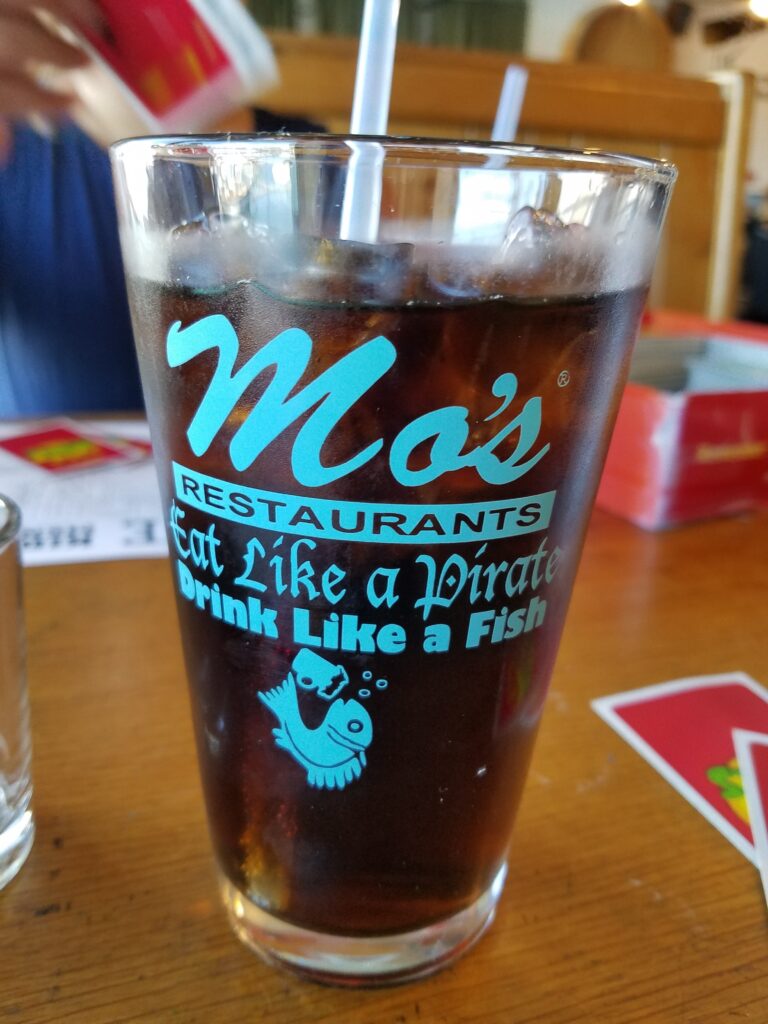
column 747, row 52
column 550, row 23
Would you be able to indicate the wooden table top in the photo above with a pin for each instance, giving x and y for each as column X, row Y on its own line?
column 622, row 905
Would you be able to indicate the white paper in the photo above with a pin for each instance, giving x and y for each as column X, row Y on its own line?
column 743, row 741
column 100, row 514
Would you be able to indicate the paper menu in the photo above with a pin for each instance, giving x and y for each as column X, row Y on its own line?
column 103, row 514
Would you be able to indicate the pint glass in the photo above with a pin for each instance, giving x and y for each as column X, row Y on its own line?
column 380, row 378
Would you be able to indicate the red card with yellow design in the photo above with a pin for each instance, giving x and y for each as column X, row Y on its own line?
column 684, row 729
column 60, row 448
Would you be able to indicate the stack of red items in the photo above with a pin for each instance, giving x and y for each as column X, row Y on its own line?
column 691, row 438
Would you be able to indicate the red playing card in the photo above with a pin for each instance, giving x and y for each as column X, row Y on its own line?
column 61, row 449
column 685, row 729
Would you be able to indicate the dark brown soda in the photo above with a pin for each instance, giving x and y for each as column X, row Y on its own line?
column 425, row 829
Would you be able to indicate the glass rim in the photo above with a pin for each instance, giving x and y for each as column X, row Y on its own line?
column 520, row 156
column 10, row 526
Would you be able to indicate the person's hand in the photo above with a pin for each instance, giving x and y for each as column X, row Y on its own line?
column 26, row 45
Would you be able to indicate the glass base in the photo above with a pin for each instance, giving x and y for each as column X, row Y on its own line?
column 15, row 843
column 360, row 962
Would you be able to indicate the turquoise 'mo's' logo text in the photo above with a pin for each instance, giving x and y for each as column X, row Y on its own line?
column 327, row 398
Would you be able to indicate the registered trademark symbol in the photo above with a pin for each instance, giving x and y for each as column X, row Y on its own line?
column 564, row 379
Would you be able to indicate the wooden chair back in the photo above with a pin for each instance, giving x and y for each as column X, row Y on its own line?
column 699, row 125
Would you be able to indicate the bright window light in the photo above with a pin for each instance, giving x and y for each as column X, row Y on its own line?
column 759, row 8
column 631, row 3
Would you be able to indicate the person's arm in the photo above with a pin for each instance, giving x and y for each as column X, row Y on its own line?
column 27, row 45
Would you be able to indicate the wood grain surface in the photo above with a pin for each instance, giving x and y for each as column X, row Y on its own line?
column 623, row 905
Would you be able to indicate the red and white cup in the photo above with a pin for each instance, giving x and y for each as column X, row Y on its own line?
column 169, row 66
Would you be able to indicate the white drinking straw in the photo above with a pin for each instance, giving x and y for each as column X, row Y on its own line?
column 507, row 118
column 375, row 61
column 370, row 112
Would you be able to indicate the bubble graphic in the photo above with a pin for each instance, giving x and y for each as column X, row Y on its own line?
column 364, row 693
column 382, row 684
column 367, row 675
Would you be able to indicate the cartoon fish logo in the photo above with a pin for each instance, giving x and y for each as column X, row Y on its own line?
column 333, row 754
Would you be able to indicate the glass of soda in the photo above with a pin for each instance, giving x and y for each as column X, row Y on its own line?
column 381, row 377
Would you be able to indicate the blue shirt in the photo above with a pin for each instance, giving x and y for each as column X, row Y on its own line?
column 66, row 343
column 65, row 333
